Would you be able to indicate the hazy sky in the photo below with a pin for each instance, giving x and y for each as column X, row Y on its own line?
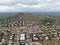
column 29, row 5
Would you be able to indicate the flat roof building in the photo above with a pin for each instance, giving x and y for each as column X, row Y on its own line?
column 22, row 37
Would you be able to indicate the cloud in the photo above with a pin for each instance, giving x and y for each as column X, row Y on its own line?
column 21, row 5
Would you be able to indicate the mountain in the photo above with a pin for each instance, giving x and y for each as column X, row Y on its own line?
column 7, row 14
column 41, row 13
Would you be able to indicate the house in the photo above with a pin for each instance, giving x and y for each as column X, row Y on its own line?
column 22, row 43
column 9, row 44
column 20, row 28
column 22, row 37
column 58, row 26
column 53, row 33
column 35, row 37
column 59, row 34
column 3, row 40
column 45, row 36
column 41, row 38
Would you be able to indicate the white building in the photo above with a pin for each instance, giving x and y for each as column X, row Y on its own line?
column 22, row 36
